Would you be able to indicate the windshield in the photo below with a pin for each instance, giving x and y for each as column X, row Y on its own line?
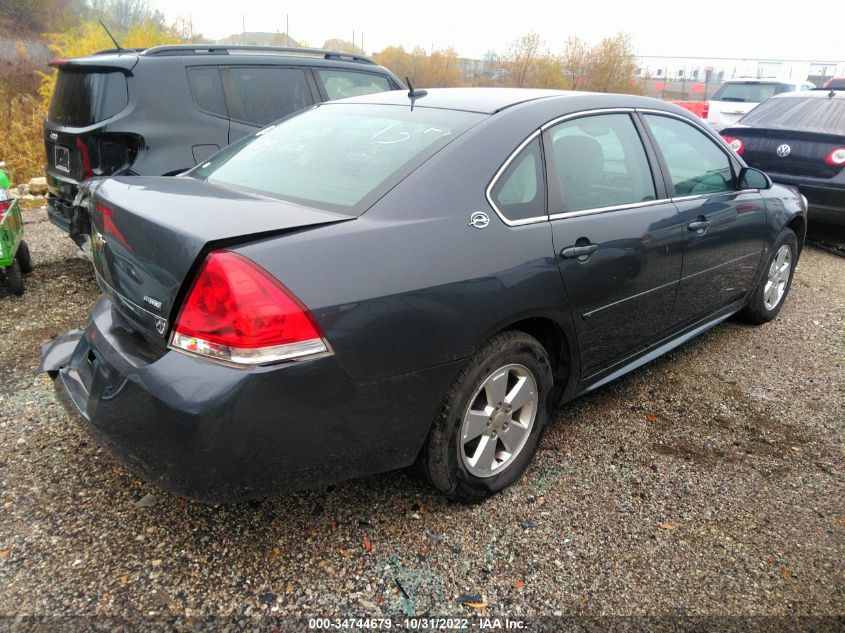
column 83, row 98
column 754, row 92
column 341, row 157
column 810, row 114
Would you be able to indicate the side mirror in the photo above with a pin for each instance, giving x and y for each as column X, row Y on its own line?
column 750, row 178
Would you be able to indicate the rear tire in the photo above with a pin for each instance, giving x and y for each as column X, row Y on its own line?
column 24, row 257
column 14, row 278
column 771, row 291
column 491, row 419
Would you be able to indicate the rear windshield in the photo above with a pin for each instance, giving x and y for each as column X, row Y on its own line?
column 85, row 98
column 751, row 92
column 337, row 156
column 825, row 115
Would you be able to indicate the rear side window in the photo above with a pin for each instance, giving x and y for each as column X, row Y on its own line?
column 83, row 98
column 754, row 92
column 810, row 114
column 520, row 192
column 601, row 162
column 207, row 90
column 346, row 83
column 697, row 166
column 259, row 95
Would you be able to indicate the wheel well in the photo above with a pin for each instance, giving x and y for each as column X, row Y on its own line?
column 799, row 226
column 554, row 340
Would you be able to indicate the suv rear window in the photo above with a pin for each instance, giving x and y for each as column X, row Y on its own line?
column 752, row 92
column 337, row 156
column 809, row 114
column 85, row 98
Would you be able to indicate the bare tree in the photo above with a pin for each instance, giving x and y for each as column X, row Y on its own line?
column 575, row 63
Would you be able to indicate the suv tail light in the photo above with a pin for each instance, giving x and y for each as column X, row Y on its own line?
column 237, row 312
column 705, row 110
column 836, row 157
column 735, row 144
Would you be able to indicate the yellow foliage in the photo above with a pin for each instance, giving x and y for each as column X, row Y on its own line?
column 438, row 70
column 22, row 145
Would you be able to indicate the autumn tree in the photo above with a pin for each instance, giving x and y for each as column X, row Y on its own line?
column 575, row 63
column 612, row 66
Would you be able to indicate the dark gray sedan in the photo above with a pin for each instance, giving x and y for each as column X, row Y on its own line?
column 404, row 278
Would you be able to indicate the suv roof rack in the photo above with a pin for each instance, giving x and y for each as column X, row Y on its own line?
column 224, row 49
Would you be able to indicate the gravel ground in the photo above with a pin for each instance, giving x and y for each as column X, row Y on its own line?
column 708, row 482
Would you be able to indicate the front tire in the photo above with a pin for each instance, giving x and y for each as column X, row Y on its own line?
column 769, row 295
column 24, row 257
column 491, row 419
column 14, row 278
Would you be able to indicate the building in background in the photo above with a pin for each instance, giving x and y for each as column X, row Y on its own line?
column 697, row 78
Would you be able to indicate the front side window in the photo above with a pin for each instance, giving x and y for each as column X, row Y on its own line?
column 601, row 162
column 347, row 83
column 697, row 166
column 520, row 192
column 340, row 157
column 259, row 95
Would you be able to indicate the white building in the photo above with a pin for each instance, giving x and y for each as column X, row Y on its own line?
column 718, row 69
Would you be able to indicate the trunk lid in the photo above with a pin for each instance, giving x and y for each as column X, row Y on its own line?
column 766, row 149
column 150, row 234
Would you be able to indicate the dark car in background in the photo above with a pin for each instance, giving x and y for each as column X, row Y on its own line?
column 162, row 110
column 798, row 139
column 384, row 279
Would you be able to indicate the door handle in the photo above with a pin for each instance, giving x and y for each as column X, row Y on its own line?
column 701, row 225
column 571, row 252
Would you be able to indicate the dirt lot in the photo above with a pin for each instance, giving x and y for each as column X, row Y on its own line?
column 709, row 482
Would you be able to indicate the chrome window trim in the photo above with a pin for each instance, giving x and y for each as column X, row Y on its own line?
column 597, row 210
column 617, row 207
column 576, row 115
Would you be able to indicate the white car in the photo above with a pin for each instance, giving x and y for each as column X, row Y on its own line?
column 737, row 97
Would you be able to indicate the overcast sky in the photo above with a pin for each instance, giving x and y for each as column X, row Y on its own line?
column 736, row 28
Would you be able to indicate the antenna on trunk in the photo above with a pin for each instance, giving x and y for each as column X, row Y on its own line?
column 414, row 94
column 105, row 28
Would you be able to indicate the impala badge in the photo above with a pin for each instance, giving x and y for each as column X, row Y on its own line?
column 153, row 302
column 161, row 325
column 479, row 220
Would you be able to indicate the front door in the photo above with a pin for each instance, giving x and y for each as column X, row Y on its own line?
column 618, row 240
column 724, row 228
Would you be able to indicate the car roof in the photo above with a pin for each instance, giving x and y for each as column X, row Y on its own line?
column 201, row 54
column 483, row 100
column 764, row 80
column 818, row 93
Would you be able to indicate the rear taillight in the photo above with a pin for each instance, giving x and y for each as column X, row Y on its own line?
column 734, row 143
column 237, row 312
column 836, row 157
column 86, row 158
column 705, row 110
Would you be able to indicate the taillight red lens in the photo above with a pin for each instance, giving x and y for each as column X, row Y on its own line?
column 734, row 143
column 236, row 311
column 705, row 110
column 836, row 157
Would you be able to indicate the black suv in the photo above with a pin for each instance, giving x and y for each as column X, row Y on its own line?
column 162, row 110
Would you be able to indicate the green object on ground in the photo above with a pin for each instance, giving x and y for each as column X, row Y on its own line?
column 4, row 180
column 11, row 231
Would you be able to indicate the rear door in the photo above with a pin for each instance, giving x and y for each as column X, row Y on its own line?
column 724, row 227
column 258, row 95
column 207, row 92
column 617, row 237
